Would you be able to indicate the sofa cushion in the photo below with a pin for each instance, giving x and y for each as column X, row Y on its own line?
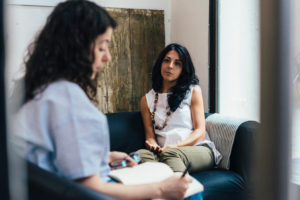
column 221, row 184
column 126, row 131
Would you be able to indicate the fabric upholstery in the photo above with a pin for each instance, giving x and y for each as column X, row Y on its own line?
column 126, row 131
column 222, row 184
column 221, row 130
column 241, row 159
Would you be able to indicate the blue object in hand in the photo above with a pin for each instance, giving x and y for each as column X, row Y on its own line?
column 123, row 163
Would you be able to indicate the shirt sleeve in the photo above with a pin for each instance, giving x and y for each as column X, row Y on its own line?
column 81, row 147
column 80, row 133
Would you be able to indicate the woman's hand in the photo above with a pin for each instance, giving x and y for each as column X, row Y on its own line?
column 118, row 156
column 175, row 186
column 169, row 146
column 153, row 147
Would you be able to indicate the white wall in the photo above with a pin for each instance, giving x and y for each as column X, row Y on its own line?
column 26, row 17
column 21, row 27
column 190, row 27
column 186, row 22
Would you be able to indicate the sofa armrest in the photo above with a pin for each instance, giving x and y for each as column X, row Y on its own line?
column 48, row 186
column 234, row 139
column 241, row 159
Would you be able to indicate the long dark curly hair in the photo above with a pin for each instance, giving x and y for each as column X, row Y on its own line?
column 63, row 49
column 186, row 78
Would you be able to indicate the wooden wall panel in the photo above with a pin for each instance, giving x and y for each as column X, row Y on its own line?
column 135, row 45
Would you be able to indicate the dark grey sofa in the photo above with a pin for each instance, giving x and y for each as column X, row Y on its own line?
column 127, row 135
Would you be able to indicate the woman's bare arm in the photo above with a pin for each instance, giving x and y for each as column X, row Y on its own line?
column 198, row 119
column 149, row 131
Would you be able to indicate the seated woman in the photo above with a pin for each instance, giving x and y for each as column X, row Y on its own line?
column 63, row 131
column 173, row 115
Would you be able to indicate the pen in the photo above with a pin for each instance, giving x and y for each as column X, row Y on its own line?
column 187, row 169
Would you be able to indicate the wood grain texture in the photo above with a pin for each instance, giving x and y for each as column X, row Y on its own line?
column 135, row 45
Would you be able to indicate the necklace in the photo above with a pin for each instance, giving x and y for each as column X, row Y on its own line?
column 153, row 115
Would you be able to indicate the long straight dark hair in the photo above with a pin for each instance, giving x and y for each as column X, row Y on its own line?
column 62, row 50
column 186, row 78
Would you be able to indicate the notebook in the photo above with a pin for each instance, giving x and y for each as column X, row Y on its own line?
column 150, row 172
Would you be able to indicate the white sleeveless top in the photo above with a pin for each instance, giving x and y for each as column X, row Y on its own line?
column 179, row 126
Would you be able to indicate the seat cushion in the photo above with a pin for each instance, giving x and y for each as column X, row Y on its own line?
column 221, row 184
column 126, row 131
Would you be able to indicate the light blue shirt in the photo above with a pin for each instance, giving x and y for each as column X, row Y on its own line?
column 65, row 133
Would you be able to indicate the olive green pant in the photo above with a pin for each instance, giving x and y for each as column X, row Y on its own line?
column 202, row 158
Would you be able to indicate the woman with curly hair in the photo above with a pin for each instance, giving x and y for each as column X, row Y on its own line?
column 64, row 132
column 173, row 115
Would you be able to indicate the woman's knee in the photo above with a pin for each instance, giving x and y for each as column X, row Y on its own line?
column 203, row 161
column 146, row 155
column 143, row 151
column 171, row 152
